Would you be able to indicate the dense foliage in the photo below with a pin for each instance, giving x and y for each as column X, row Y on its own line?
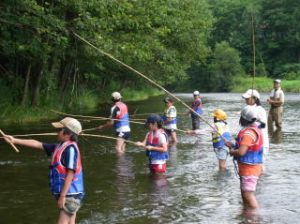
column 184, row 44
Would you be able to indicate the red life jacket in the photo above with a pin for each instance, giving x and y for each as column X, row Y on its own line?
column 123, row 115
column 58, row 171
column 254, row 154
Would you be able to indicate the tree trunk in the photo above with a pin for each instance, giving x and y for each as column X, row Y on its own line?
column 26, row 87
column 36, row 93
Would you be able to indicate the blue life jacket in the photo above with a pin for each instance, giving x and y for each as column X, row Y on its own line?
column 153, row 140
column 58, row 171
column 165, row 116
column 122, row 116
column 254, row 154
column 222, row 128
column 197, row 108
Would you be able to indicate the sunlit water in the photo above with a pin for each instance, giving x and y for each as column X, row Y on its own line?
column 120, row 189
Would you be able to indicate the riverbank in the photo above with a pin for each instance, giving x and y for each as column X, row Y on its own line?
column 263, row 84
column 86, row 102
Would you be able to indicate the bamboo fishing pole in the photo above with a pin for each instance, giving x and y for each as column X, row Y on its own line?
column 12, row 145
column 96, row 118
column 145, row 77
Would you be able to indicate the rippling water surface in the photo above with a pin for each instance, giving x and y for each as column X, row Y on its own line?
column 120, row 189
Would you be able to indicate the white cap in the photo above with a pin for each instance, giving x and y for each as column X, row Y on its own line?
column 116, row 95
column 249, row 113
column 251, row 93
column 277, row 80
column 196, row 93
column 71, row 123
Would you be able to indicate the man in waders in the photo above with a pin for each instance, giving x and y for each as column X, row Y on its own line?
column 276, row 101
column 66, row 177
column 119, row 112
column 197, row 107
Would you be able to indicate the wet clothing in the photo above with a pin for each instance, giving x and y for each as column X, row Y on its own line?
column 157, row 159
column 276, row 110
column 197, row 107
column 65, row 156
column 169, row 118
column 120, row 111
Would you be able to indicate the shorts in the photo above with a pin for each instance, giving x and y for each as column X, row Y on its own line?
column 124, row 135
column 248, row 183
column 158, row 168
column 169, row 131
column 72, row 205
column 221, row 153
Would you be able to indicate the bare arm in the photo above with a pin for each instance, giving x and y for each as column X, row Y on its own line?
column 162, row 148
column 25, row 142
column 240, row 152
column 108, row 124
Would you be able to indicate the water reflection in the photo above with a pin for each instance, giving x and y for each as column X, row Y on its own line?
column 125, row 176
column 158, row 188
column 276, row 136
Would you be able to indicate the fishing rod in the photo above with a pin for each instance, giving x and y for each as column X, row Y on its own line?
column 96, row 118
column 82, row 134
column 12, row 145
column 145, row 77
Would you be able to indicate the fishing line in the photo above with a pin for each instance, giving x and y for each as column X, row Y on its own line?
column 145, row 77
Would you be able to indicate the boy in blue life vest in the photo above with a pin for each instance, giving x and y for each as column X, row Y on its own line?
column 120, row 122
column 66, row 177
column 220, row 135
column 156, row 145
column 170, row 120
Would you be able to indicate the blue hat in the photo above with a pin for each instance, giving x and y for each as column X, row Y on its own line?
column 153, row 118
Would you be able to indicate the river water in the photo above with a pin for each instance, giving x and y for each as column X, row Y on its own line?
column 120, row 189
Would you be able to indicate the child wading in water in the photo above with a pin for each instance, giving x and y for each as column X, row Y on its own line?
column 248, row 151
column 66, row 178
column 156, row 144
column 221, row 132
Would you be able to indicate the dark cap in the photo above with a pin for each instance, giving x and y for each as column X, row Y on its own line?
column 153, row 118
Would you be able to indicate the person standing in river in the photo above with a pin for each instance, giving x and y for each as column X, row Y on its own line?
column 276, row 101
column 197, row 107
column 252, row 98
column 66, row 176
column 170, row 120
column 119, row 112
column 156, row 145
column 248, row 151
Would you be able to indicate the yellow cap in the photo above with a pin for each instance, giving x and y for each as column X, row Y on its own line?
column 219, row 114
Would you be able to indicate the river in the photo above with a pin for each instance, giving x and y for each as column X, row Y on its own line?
column 119, row 189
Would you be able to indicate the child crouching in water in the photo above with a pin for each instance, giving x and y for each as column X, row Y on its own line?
column 219, row 136
column 156, row 145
